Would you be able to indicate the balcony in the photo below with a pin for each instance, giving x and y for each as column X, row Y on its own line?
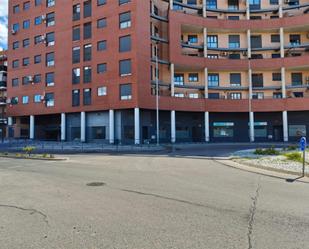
column 3, row 85
column 2, row 101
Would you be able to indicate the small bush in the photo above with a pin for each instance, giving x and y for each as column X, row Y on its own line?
column 29, row 150
column 294, row 156
column 267, row 152
column 45, row 155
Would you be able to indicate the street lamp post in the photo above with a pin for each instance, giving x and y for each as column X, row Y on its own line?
column 157, row 94
column 251, row 117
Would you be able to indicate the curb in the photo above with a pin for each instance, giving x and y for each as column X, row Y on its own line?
column 265, row 172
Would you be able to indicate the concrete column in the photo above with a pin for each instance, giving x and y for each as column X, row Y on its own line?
column 172, row 69
column 249, row 42
column 10, row 121
column 63, row 127
column 111, row 127
column 204, row 8
column 173, row 126
column 285, row 126
column 206, row 82
column 250, row 85
column 207, row 137
column 32, row 124
column 171, row 4
column 281, row 42
column 248, row 9
column 280, row 8
column 283, row 81
column 251, row 125
column 83, row 127
column 136, row 126
column 205, row 42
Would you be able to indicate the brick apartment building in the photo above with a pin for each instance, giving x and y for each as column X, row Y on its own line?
column 230, row 70
column 3, row 77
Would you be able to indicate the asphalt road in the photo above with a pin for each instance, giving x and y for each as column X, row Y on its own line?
column 147, row 202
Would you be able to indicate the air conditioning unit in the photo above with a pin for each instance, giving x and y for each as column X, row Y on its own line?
column 13, row 32
column 30, row 79
column 43, row 17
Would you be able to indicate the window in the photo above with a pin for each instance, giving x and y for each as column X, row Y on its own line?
column 255, row 4
column 15, row 45
column 87, row 31
column 101, row 45
column 101, row 23
column 234, row 41
column 125, row 91
column 258, row 95
column 223, row 129
column 26, row 24
column 277, row 95
column 256, row 41
column 16, row 9
column 26, row 61
column 125, row 20
column 213, row 95
column 193, row 77
column 49, row 100
column 38, row 20
column 211, row 4
column 37, row 39
column 26, row 5
column 87, row 52
column 15, row 27
column 212, row 41
column 76, row 75
column 26, row 80
column 37, row 98
column 123, row 1
column 193, row 95
column 76, row 55
column 276, row 76
column 50, row 19
column 87, row 96
column 233, row 4
column 26, row 43
column 274, row 2
column 76, row 12
column 102, row 91
column 257, row 80
column 50, row 3
column 101, row 2
column 37, row 2
column 25, row 100
column 87, row 75
column 87, row 9
column 75, row 97
column 295, row 40
column 50, row 39
column 275, row 38
column 15, row 82
column 179, row 95
column 76, row 33
column 37, row 78
column 192, row 39
column 125, row 43
column 15, row 63
column 213, row 79
column 50, row 79
column 125, row 67
column 235, row 96
column 50, row 59
column 101, row 68
column 297, row 79
column 297, row 131
column 235, row 79
column 37, row 59
column 14, row 100
column 179, row 79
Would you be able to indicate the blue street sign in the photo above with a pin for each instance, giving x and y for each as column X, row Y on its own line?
column 303, row 144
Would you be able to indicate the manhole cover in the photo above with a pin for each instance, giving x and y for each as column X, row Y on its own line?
column 95, row 184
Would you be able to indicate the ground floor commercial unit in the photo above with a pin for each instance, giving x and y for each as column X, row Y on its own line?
column 139, row 126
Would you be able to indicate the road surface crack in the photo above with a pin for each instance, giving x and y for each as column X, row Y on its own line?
column 252, row 212
column 30, row 210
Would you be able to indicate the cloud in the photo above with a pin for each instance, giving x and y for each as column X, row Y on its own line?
column 3, row 23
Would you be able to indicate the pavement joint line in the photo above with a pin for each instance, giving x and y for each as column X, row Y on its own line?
column 252, row 211
column 264, row 172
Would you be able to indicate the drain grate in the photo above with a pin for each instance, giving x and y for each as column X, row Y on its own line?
column 95, row 184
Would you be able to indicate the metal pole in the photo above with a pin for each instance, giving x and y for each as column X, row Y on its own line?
column 157, row 95
column 250, row 101
column 2, row 125
column 304, row 161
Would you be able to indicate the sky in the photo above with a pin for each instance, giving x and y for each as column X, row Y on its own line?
column 3, row 24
